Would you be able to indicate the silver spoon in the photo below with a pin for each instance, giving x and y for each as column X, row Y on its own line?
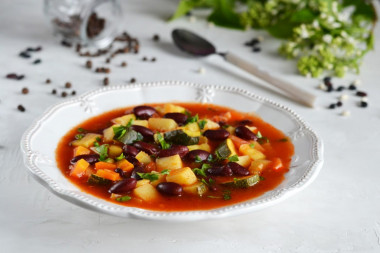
column 198, row 46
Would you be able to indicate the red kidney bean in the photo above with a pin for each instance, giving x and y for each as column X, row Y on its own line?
column 91, row 159
column 170, row 188
column 133, row 160
column 237, row 169
column 144, row 131
column 219, row 170
column 120, row 172
column 217, row 135
column 198, row 153
column 246, row 122
column 123, row 186
column 130, row 150
column 144, row 111
column 174, row 150
column 178, row 117
column 245, row 133
column 149, row 148
column 135, row 170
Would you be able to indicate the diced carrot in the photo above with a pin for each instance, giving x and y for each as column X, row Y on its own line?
column 108, row 174
column 150, row 166
column 125, row 165
column 79, row 168
column 80, row 150
column 105, row 166
column 277, row 163
column 237, row 141
column 223, row 117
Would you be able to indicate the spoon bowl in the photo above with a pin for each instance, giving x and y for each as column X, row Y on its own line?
column 192, row 43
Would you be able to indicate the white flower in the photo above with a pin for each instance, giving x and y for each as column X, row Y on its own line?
column 316, row 24
column 327, row 38
column 303, row 32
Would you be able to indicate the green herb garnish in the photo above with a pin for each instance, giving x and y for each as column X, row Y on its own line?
column 79, row 136
column 102, row 150
column 120, row 157
column 225, row 126
column 198, row 159
column 192, row 119
column 202, row 170
column 150, row 176
column 161, row 140
column 233, row 158
column 226, row 195
column 123, row 199
column 202, row 123
column 165, row 172
column 98, row 139
column 259, row 135
column 252, row 145
column 81, row 130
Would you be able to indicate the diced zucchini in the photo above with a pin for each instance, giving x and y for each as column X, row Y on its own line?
column 143, row 157
column 87, row 141
column 97, row 180
column 253, row 153
column 204, row 147
column 258, row 166
column 124, row 120
column 142, row 182
column 114, row 151
column 169, row 163
column 226, row 149
column 147, row 193
column 198, row 188
column 143, row 123
column 210, row 125
column 162, row 124
column 184, row 176
column 108, row 133
column 179, row 137
column 243, row 182
column 244, row 161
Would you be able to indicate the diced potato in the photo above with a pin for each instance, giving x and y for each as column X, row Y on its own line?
column 143, row 123
column 193, row 127
column 142, row 182
column 254, row 154
column 204, row 147
column 161, row 178
column 184, row 176
column 252, row 128
column 210, row 125
column 143, row 157
column 258, row 166
column 203, row 139
column 125, row 165
column 79, row 168
column 231, row 129
column 108, row 133
column 244, row 161
column 114, row 151
column 192, row 133
column 147, row 193
column 257, row 146
column 198, row 188
column 80, row 150
column 162, row 124
column 231, row 146
column 108, row 174
column 124, row 120
column 169, row 163
column 87, row 141
column 167, row 108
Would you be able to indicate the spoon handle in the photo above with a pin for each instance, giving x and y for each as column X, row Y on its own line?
column 299, row 94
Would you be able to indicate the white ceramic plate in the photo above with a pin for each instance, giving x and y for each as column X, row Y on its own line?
column 41, row 139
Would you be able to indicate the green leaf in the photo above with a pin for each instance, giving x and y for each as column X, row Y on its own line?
column 165, row 172
column 224, row 15
column 185, row 6
column 202, row 123
column 163, row 143
column 123, row 199
column 252, row 145
column 130, row 137
column 150, row 176
column 202, row 170
column 303, row 16
column 364, row 8
column 198, row 159
column 233, row 158
column 119, row 131
column 259, row 135
column 79, row 136
column 282, row 29
column 120, row 157
column 227, row 195
column 81, row 130
column 102, row 150
column 192, row 119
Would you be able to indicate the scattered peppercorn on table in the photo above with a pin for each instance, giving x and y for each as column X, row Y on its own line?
column 338, row 212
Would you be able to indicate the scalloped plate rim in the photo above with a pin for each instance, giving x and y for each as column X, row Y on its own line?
column 123, row 211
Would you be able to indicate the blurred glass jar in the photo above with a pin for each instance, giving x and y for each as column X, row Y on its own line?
column 93, row 23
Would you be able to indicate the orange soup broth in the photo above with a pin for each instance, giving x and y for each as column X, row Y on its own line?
column 281, row 149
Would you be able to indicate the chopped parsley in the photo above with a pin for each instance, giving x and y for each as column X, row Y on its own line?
column 226, row 195
column 165, row 172
column 192, row 119
column 163, row 143
column 102, row 150
column 209, row 183
column 123, row 199
column 120, row 131
column 202, row 170
column 252, row 145
column 225, row 126
column 259, row 135
column 120, row 157
column 98, row 139
column 202, row 123
column 233, row 158
column 152, row 176
column 198, row 159
column 79, row 136
column 81, row 130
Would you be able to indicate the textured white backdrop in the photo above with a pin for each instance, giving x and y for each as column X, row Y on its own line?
column 339, row 212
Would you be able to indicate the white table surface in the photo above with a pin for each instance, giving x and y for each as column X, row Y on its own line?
column 339, row 212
